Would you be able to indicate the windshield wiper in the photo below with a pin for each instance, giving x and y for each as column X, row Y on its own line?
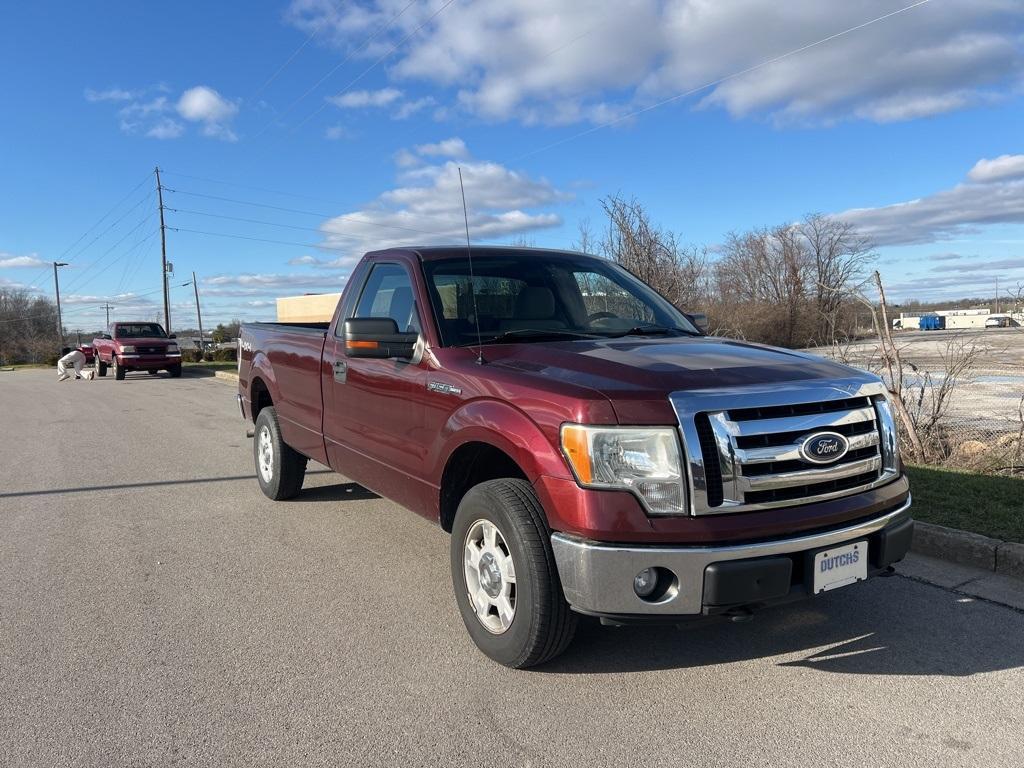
column 536, row 334
column 651, row 330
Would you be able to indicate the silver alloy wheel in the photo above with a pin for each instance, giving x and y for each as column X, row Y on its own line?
column 490, row 576
column 266, row 455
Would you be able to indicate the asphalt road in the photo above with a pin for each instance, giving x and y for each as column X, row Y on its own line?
column 156, row 610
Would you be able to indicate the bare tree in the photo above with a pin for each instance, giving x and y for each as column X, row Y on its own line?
column 585, row 241
column 840, row 256
column 653, row 254
column 764, row 274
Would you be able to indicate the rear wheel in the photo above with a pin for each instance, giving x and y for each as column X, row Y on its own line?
column 503, row 571
column 280, row 469
column 119, row 370
column 101, row 367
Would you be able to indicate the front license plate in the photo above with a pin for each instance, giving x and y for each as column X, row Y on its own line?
column 840, row 566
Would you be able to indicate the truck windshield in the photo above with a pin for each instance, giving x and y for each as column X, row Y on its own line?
column 138, row 331
column 538, row 297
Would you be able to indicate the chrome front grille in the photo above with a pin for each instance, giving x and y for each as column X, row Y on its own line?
column 743, row 446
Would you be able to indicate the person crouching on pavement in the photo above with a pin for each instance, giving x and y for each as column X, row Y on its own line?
column 73, row 358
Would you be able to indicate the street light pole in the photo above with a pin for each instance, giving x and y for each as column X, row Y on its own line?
column 199, row 314
column 56, row 290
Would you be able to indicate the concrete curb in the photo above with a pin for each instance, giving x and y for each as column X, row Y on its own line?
column 227, row 376
column 972, row 549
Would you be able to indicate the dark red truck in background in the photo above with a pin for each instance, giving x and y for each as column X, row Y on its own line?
column 588, row 448
column 136, row 346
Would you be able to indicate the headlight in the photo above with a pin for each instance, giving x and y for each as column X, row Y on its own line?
column 172, row 348
column 642, row 460
column 127, row 348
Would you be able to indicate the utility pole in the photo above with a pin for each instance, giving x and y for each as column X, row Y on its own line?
column 56, row 290
column 163, row 251
column 107, row 307
column 199, row 314
column 997, row 295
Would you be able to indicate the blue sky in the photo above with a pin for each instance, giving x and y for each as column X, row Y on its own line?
column 911, row 127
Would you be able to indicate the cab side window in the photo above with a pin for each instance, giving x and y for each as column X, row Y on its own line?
column 388, row 293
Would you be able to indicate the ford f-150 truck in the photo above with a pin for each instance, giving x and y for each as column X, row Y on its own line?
column 136, row 346
column 588, row 448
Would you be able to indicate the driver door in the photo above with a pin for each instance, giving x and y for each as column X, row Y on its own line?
column 371, row 417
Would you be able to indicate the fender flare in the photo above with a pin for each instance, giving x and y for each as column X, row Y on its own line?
column 506, row 428
column 262, row 369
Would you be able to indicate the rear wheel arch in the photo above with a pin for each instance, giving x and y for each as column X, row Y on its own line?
column 259, row 396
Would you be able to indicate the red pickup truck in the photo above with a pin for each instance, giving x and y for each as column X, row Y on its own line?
column 136, row 346
column 588, row 448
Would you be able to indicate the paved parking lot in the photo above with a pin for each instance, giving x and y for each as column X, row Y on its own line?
column 156, row 609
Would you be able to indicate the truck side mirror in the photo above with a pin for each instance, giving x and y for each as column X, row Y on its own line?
column 700, row 320
column 378, row 337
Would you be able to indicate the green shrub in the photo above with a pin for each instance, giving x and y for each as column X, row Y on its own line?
column 225, row 355
column 191, row 356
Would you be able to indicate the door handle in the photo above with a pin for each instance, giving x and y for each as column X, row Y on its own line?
column 340, row 371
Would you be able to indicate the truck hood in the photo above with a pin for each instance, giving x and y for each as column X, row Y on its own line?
column 147, row 342
column 637, row 374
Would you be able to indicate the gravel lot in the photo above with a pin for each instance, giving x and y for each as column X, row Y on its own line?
column 156, row 609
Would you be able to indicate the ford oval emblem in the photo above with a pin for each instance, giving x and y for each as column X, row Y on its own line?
column 824, row 448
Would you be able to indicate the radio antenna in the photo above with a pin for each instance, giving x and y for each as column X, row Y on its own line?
column 472, row 278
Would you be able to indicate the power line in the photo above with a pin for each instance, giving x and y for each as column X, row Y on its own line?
column 78, row 282
column 718, row 81
column 346, row 217
column 132, row 248
column 334, row 69
column 257, row 239
column 259, row 221
column 249, row 186
column 373, row 66
column 289, row 60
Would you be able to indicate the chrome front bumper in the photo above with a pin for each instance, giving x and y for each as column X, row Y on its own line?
column 598, row 578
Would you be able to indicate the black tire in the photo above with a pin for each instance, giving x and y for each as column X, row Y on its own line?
column 288, row 466
column 175, row 371
column 543, row 625
column 101, row 367
column 153, row 373
column 119, row 370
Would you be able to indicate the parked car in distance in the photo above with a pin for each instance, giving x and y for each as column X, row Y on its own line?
column 1000, row 321
column 136, row 346
column 590, row 451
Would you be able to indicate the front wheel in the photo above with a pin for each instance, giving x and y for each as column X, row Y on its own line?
column 503, row 571
column 119, row 370
column 279, row 467
column 101, row 367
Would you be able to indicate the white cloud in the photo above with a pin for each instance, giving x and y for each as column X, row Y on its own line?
column 426, row 206
column 407, row 109
column 204, row 104
column 166, row 128
column 997, row 169
column 336, row 132
column 946, row 214
column 572, row 60
column 359, row 99
column 10, row 261
column 453, row 147
column 301, row 261
column 149, row 111
column 109, row 94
